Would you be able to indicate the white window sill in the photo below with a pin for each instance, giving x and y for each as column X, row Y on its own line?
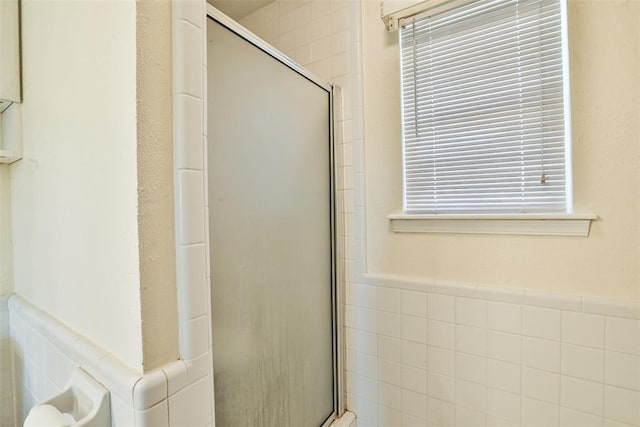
column 525, row 224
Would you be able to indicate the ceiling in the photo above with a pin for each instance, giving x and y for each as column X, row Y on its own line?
column 238, row 9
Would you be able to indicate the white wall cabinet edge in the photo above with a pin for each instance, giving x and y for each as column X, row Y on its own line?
column 9, row 53
column 10, row 85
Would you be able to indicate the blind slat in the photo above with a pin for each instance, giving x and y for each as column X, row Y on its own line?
column 484, row 110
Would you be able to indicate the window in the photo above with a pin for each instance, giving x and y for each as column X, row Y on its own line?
column 485, row 103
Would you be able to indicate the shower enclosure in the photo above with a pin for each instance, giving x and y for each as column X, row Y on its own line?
column 271, row 220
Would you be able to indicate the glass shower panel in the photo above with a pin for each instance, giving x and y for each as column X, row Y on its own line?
column 269, row 178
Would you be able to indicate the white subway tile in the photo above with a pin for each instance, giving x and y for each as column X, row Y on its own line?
column 192, row 292
column 541, row 385
column 390, row 372
column 414, row 379
column 364, row 296
column 471, row 340
column 505, row 347
column 389, row 395
column 583, row 329
column 188, row 133
column 319, row 9
column 340, row 64
column 366, row 319
column 441, row 360
column 504, row 405
column 622, row 370
column 363, row 341
column 389, row 417
column 581, row 395
column 622, row 405
column 536, row 413
column 198, row 368
column 504, row 317
column 469, row 417
column 541, row 354
column 351, row 382
column 613, row 423
column 498, row 422
column 188, row 10
column 367, row 388
column 414, row 329
column 471, row 395
column 541, row 323
column 414, row 404
column 389, row 324
column 366, row 365
column 441, row 334
column 442, row 307
column 411, row 421
column 303, row 14
column 504, row 376
column 582, row 362
column 122, row 413
column 389, row 299
column 367, row 411
column 441, row 387
column 414, row 354
column 470, row 368
column 471, row 312
column 194, row 338
column 191, row 406
column 339, row 20
column 349, row 313
column 340, row 42
column 623, row 335
column 440, row 413
column 414, row 303
column 389, row 348
column 156, row 416
column 572, row 418
column 322, row 68
column 188, row 61
column 190, row 207
column 321, row 49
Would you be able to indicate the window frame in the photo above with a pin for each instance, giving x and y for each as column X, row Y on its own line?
column 556, row 224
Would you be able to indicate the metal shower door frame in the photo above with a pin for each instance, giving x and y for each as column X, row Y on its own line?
column 339, row 390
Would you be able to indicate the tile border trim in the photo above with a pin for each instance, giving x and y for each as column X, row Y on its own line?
column 527, row 297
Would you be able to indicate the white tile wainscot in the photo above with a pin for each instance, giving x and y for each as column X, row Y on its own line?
column 44, row 354
column 424, row 353
column 6, row 378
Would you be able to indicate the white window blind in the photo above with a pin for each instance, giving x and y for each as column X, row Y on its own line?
column 485, row 109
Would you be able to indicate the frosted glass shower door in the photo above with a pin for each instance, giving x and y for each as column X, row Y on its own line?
column 269, row 185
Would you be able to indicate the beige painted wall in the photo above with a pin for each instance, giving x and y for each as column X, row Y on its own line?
column 604, row 45
column 155, row 183
column 74, row 194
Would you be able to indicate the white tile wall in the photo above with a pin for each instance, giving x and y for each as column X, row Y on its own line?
column 6, row 377
column 44, row 353
column 488, row 362
column 190, row 382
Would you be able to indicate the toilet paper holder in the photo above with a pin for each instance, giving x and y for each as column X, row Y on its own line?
column 84, row 399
